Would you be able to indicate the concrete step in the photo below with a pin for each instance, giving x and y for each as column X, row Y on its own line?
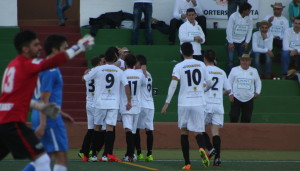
column 72, row 71
column 78, row 96
column 74, row 88
column 47, row 22
column 73, row 80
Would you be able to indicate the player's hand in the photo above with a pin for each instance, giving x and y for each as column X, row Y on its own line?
column 270, row 20
column 231, row 98
column 128, row 106
column 230, row 46
column 67, row 117
column 245, row 45
column 271, row 53
column 164, row 109
column 40, row 131
column 51, row 110
column 256, row 95
column 86, row 42
column 194, row 2
column 293, row 52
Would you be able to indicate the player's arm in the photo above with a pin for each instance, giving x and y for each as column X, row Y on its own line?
column 91, row 74
column 40, row 130
column 67, row 116
column 171, row 91
column 144, row 69
column 128, row 95
column 50, row 109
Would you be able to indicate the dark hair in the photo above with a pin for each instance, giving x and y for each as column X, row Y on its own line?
column 187, row 49
column 142, row 59
column 130, row 60
column 54, row 41
column 295, row 3
column 24, row 38
column 110, row 54
column 190, row 10
column 95, row 61
column 244, row 6
column 116, row 50
column 210, row 55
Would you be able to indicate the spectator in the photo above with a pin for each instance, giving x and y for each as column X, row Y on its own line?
column 191, row 32
column 238, row 32
column 179, row 14
column 61, row 9
column 262, row 42
column 291, row 47
column 139, row 7
column 245, row 86
column 294, row 11
column 279, row 24
column 232, row 6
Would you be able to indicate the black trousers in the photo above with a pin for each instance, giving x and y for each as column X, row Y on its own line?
column 277, row 43
column 238, row 107
column 175, row 24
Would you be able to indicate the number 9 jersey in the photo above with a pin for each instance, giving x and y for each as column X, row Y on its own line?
column 192, row 74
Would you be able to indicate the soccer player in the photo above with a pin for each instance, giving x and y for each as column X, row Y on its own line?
column 108, row 79
column 146, row 115
column 214, row 111
column 191, row 103
column 49, row 90
column 130, row 117
column 88, row 138
column 19, row 81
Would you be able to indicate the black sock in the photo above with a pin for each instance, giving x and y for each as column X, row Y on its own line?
column 217, row 145
column 108, row 143
column 101, row 140
column 208, row 144
column 96, row 142
column 149, row 142
column 200, row 141
column 87, row 141
column 185, row 148
column 137, row 142
column 113, row 141
column 130, row 144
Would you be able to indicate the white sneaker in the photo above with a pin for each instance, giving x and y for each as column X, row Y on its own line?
column 127, row 159
column 134, row 158
column 94, row 159
column 104, row 159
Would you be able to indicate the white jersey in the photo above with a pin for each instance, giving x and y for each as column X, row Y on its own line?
column 90, row 91
column 146, row 92
column 108, row 79
column 192, row 74
column 135, row 81
column 279, row 25
column 219, row 83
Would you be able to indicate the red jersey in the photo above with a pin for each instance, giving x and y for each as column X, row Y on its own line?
column 18, row 84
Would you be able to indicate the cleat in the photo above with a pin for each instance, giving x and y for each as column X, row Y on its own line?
column 112, row 158
column 135, row 158
column 90, row 153
column 93, row 159
column 85, row 159
column 217, row 162
column 127, row 159
column 187, row 167
column 104, row 159
column 80, row 155
column 204, row 157
column 140, row 157
column 149, row 158
column 211, row 153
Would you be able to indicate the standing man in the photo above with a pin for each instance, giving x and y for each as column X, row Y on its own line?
column 291, row 47
column 233, row 4
column 191, row 32
column 238, row 33
column 139, row 7
column 108, row 80
column 262, row 44
column 19, row 81
column 179, row 14
column 191, row 102
column 146, row 115
column 245, row 86
column 214, row 110
column 278, row 24
column 60, row 10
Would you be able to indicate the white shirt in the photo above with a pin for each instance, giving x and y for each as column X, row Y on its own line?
column 146, row 92
column 108, row 79
column 135, row 80
column 90, row 90
column 143, row 1
column 239, row 28
column 188, row 31
column 279, row 25
column 181, row 6
column 191, row 74
column 122, row 66
column 291, row 40
column 244, row 83
column 262, row 46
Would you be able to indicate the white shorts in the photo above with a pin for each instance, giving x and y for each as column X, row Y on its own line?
column 106, row 116
column 146, row 119
column 192, row 118
column 130, row 121
column 215, row 119
column 90, row 111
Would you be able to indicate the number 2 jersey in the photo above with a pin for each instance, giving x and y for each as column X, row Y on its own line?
column 19, row 81
column 192, row 74
column 108, row 79
column 214, row 96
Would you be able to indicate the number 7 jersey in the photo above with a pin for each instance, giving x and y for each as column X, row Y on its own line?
column 192, row 74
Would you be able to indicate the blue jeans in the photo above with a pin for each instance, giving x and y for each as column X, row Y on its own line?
column 232, row 6
column 230, row 54
column 268, row 63
column 138, row 9
column 61, row 9
column 285, row 61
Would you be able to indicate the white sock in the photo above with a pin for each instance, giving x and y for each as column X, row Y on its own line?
column 58, row 167
column 42, row 163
